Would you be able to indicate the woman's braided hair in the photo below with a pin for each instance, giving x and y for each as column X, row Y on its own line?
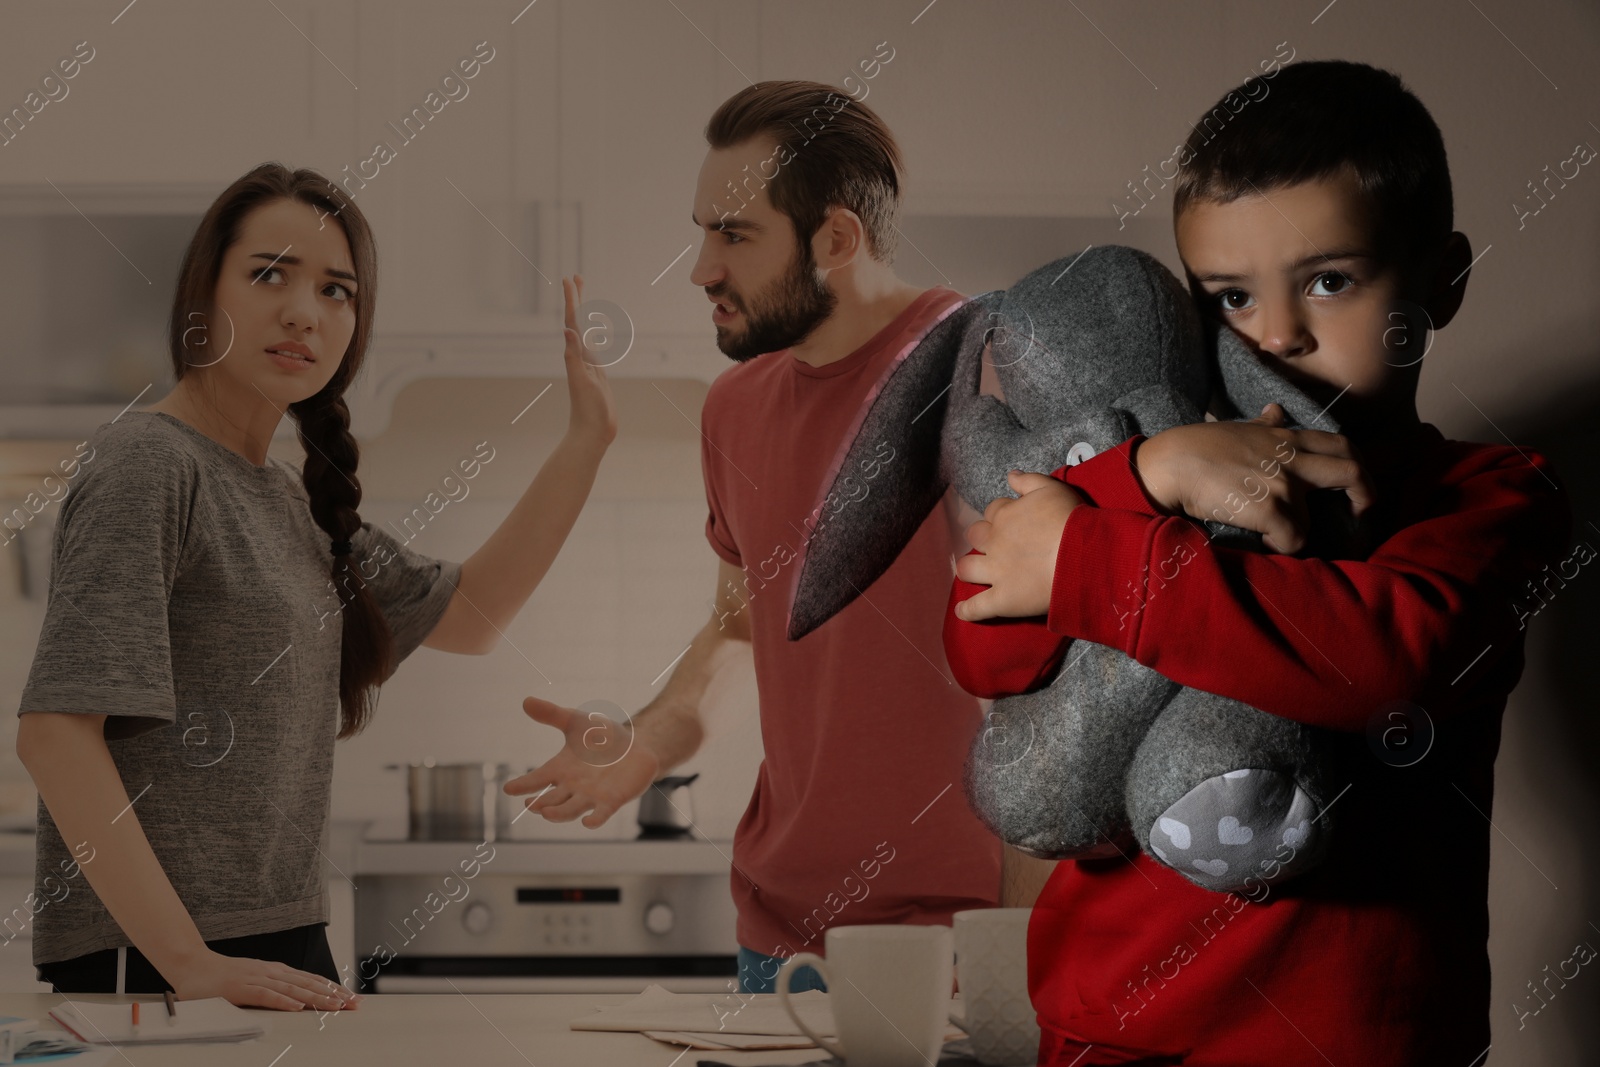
column 323, row 420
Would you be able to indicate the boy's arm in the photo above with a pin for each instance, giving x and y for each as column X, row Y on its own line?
column 1002, row 657
column 1322, row 642
column 998, row 657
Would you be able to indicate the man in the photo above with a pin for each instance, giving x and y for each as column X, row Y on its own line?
column 858, row 814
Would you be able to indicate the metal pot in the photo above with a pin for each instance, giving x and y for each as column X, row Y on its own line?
column 663, row 817
column 458, row 801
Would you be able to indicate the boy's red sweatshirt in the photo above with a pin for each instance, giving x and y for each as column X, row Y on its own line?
column 1380, row 955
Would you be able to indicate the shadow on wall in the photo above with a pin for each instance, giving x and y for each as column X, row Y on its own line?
column 1562, row 740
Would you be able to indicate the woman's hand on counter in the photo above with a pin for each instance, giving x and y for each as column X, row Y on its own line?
column 251, row 983
column 601, row 767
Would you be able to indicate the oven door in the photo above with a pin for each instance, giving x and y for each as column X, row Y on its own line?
column 546, row 933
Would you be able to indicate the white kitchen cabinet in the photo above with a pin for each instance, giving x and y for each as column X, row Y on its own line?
column 185, row 96
column 582, row 159
column 1004, row 109
column 639, row 82
column 178, row 92
column 457, row 206
column 596, row 127
column 576, row 148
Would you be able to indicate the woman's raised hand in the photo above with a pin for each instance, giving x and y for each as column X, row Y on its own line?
column 594, row 413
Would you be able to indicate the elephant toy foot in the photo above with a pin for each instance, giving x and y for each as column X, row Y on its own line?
column 1243, row 828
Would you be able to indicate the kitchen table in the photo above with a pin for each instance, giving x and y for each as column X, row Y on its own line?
column 417, row 1030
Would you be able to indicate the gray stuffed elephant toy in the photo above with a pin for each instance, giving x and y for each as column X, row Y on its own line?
column 1105, row 754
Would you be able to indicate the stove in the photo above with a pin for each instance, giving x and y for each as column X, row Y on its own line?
column 568, row 916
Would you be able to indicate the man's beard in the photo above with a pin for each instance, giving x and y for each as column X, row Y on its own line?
column 799, row 303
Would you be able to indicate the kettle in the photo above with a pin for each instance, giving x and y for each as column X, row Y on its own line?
column 664, row 817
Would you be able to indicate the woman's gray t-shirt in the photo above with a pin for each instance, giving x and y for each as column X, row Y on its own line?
column 191, row 603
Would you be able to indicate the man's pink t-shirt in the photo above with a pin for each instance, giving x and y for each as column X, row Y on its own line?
column 858, row 815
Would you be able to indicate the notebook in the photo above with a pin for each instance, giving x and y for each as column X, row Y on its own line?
column 22, row 1042
column 197, row 1021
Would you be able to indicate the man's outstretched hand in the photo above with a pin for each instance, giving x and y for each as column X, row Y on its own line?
column 600, row 767
column 1017, row 541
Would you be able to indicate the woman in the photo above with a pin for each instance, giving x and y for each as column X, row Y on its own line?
column 216, row 617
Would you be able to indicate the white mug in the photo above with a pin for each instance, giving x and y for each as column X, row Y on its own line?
column 889, row 987
column 992, row 962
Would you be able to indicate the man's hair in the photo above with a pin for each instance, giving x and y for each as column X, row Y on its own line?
column 833, row 151
column 1317, row 120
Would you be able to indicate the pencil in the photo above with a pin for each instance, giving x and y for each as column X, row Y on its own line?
column 136, row 1015
column 172, row 1007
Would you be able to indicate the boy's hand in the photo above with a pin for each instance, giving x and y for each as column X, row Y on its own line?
column 1253, row 475
column 1018, row 540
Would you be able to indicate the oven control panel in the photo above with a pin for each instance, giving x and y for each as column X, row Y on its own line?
column 508, row 914
column 565, row 930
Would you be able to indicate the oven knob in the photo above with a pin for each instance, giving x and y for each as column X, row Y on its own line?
column 658, row 918
column 477, row 918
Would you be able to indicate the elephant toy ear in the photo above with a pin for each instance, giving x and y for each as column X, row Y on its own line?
column 886, row 476
column 1246, row 383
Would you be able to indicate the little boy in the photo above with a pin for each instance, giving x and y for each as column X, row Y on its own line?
column 1317, row 224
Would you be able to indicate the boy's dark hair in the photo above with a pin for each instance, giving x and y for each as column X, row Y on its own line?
column 1317, row 119
column 832, row 150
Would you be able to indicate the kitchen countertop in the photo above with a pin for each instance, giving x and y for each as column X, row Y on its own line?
column 419, row 1029
column 353, row 853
